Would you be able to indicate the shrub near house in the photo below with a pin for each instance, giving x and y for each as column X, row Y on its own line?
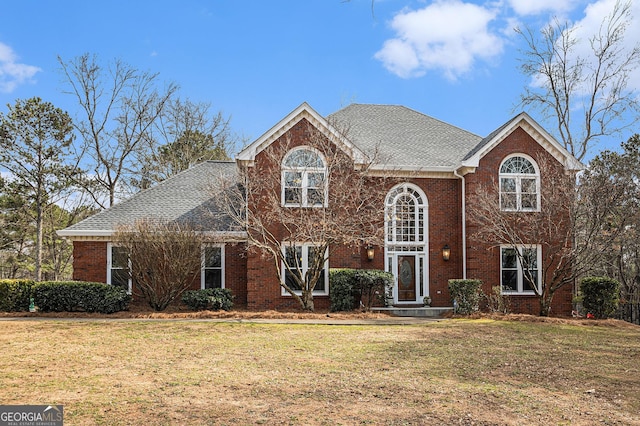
column 62, row 296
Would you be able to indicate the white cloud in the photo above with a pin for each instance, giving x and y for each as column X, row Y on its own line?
column 448, row 35
column 535, row 7
column 13, row 73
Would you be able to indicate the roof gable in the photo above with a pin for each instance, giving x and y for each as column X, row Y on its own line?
column 304, row 111
column 529, row 125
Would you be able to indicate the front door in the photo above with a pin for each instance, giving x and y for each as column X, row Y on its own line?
column 406, row 274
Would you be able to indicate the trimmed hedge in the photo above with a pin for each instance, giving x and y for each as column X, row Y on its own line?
column 466, row 295
column 15, row 295
column 343, row 294
column 212, row 299
column 600, row 296
column 71, row 296
column 349, row 286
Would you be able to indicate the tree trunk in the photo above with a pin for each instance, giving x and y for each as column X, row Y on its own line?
column 39, row 232
column 545, row 304
column 307, row 300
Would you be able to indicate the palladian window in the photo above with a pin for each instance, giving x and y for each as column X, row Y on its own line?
column 303, row 179
column 519, row 184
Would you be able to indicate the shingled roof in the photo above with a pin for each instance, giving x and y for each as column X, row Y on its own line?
column 405, row 138
column 184, row 198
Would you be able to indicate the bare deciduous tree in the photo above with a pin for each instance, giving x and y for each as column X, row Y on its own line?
column 586, row 96
column 572, row 226
column 164, row 257
column 334, row 204
column 120, row 106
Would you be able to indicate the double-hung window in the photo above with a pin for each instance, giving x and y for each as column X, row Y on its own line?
column 212, row 274
column 118, row 267
column 519, row 184
column 298, row 259
column 520, row 269
column 303, row 178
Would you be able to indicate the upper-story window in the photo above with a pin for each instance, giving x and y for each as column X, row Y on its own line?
column 303, row 178
column 519, row 184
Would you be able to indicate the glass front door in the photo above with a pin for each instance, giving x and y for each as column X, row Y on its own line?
column 406, row 278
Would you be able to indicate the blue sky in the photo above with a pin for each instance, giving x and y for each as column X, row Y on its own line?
column 257, row 60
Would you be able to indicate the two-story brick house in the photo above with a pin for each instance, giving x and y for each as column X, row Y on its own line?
column 435, row 167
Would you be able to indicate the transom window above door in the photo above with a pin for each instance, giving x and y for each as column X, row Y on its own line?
column 519, row 184
column 406, row 215
column 303, row 178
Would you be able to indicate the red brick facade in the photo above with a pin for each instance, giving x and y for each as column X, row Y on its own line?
column 90, row 264
column 90, row 261
column 252, row 276
column 483, row 260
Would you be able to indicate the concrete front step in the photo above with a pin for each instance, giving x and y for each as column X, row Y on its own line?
column 409, row 311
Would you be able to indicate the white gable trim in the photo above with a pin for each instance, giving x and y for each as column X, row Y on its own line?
column 541, row 136
column 304, row 111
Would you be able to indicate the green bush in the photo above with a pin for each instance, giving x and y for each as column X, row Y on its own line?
column 15, row 295
column 212, row 299
column 349, row 286
column 343, row 292
column 466, row 295
column 600, row 296
column 373, row 285
column 71, row 296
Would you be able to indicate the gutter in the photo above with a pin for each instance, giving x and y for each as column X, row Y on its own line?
column 464, row 224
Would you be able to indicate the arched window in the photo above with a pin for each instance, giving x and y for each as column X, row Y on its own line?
column 519, row 184
column 303, row 178
column 406, row 209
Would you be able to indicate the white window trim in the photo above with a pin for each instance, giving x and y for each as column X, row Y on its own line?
column 518, row 178
column 304, row 185
column 520, row 284
column 109, row 263
column 305, row 254
column 422, row 237
column 203, row 268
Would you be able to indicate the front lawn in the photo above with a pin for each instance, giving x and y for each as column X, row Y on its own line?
column 481, row 372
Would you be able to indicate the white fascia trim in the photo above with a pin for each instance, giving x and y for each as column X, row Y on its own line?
column 102, row 234
column 538, row 133
column 412, row 171
column 84, row 233
column 248, row 154
column 228, row 236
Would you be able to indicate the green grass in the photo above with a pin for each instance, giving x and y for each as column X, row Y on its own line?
column 198, row 372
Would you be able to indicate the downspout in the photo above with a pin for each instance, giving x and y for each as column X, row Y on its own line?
column 464, row 224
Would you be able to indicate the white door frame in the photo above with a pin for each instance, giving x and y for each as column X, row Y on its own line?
column 391, row 265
